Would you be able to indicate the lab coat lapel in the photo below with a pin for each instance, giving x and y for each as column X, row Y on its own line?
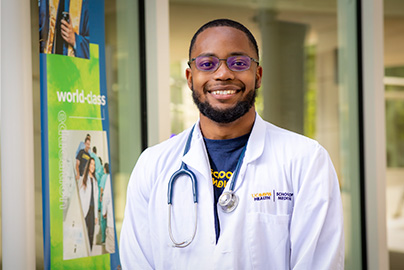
column 197, row 158
column 255, row 148
column 256, row 142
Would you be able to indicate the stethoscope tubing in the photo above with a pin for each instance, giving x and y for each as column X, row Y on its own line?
column 237, row 170
column 183, row 170
column 228, row 200
column 184, row 243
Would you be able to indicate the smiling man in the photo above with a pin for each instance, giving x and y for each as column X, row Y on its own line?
column 233, row 191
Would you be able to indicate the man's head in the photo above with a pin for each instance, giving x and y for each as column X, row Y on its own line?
column 106, row 168
column 224, row 72
column 87, row 144
column 224, row 22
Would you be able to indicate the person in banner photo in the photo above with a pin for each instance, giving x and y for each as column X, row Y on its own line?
column 82, row 145
column 99, row 169
column 88, row 190
column 64, row 27
column 233, row 191
column 102, row 186
column 107, row 208
column 82, row 157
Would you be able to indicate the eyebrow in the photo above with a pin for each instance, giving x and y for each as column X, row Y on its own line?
column 231, row 54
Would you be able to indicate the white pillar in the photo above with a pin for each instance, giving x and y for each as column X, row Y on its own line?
column 158, row 70
column 374, row 130
column 17, row 154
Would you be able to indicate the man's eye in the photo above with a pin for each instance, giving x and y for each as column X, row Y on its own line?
column 206, row 64
column 239, row 63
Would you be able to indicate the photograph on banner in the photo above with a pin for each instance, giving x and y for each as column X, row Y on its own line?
column 64, row 27
column 88, row 223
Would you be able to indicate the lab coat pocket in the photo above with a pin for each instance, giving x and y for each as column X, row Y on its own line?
column 269, row 243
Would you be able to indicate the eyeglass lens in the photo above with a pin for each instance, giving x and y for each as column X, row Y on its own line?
column 234, row 63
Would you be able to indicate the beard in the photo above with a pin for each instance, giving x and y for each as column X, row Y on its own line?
column 226, row 115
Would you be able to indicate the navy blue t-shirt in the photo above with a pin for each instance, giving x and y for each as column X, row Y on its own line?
column 223, row 157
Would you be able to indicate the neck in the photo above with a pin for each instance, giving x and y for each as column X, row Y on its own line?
column 221, row 131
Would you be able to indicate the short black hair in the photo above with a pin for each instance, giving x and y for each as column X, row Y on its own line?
column 106, row 167
column 224, row 22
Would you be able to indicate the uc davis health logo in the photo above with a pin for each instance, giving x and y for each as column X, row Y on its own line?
column 262, row 196
column 275, row 196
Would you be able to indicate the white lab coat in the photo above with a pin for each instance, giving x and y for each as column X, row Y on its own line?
column 289, row 214
column 107, row 203
column 85, row 196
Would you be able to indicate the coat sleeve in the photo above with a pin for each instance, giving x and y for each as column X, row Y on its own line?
column 96, row 198
column 106, row 198
column 316, row 229
column 82, row 195
column 82, row 46
column 135, row 247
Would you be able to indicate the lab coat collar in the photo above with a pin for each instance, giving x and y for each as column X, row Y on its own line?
column 197, row 152
column 197, row 157
column 256, row 142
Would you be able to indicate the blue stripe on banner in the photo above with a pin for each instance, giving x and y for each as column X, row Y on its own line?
column 45, row 161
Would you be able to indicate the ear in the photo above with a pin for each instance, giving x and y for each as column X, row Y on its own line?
column 258, row 77
column 188, row 75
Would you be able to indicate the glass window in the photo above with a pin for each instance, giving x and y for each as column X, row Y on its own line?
column 394, row 100
column 394, row 95
column 308, row 51
column 123, row 84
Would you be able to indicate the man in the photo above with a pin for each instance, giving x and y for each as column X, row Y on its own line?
column 83, row 157
column 289, row 213
column 99, row 169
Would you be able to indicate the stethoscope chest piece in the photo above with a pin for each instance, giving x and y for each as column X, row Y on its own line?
column 228, row 201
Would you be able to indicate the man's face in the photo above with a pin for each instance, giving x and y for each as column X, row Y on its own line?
column 223, row 95
column 87, row 145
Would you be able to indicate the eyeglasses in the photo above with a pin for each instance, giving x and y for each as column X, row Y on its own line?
column 212, row 63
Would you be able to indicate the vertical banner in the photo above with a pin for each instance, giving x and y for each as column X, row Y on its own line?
column 79, row 224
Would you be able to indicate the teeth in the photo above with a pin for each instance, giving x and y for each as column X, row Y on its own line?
column 224, row 92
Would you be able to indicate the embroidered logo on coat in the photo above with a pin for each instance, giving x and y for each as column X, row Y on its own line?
column 262, row 196
column 284, row 196
column 274, row 196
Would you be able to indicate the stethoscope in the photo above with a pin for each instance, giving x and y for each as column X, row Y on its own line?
column 228, row 201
